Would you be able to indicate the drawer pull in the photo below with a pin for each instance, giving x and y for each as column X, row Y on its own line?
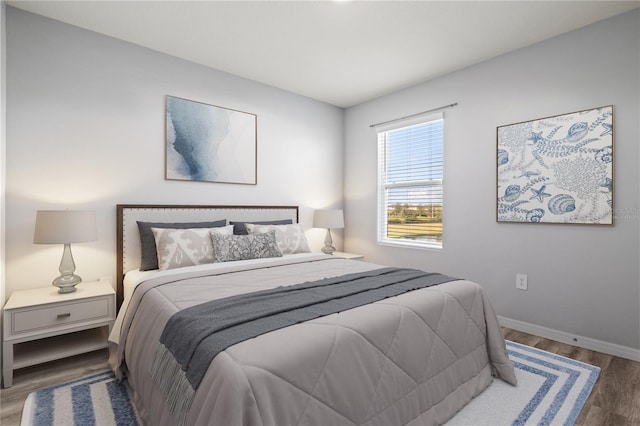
column 67, row 315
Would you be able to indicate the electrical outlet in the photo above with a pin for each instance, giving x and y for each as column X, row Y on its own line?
column 521, row 281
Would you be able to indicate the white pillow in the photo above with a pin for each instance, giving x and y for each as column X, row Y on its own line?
column 185, row 247
column 290, row 238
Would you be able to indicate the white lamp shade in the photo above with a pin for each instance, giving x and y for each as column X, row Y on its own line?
column 65, row 226
column 333, row 219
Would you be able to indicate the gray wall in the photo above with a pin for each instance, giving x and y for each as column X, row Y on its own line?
column 85, row 129
column 3, row 128
column 583, row 280
column 86, row 120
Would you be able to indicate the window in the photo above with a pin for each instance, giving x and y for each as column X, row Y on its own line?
column 410, row 190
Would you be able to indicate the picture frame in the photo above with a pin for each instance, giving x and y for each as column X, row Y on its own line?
column 557, row 169
column 210, row 143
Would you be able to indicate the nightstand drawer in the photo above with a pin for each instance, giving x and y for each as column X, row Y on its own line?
column 52, row 316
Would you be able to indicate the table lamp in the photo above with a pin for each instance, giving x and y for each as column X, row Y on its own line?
column 328, row 219
column 65, row 227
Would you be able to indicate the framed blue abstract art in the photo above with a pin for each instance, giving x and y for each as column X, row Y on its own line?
column 557, row 169
column 210, row 143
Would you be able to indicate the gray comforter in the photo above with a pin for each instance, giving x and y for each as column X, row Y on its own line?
column 416, row 358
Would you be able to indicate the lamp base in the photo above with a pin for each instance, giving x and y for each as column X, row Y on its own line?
column 328, row 250
column 67, row 283
column 328, row 244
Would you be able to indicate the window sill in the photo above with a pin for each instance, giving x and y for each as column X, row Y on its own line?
column 410, row 245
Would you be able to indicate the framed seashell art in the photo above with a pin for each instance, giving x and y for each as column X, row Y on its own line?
column 557, row 169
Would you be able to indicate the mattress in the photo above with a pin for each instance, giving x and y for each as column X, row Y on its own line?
column 416, row 358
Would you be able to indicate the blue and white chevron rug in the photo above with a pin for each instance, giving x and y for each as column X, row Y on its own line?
column 551, row 391
column 98, row 399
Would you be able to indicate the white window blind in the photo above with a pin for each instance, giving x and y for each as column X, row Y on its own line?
column 410, row 182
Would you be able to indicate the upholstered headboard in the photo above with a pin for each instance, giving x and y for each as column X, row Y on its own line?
column 128, row 237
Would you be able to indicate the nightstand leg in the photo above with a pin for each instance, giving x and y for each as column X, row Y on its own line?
column 7, row 365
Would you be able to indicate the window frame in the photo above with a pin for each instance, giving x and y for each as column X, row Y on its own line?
column 382, row 185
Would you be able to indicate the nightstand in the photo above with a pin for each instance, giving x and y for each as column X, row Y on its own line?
column 348, row 255
column 42, row 325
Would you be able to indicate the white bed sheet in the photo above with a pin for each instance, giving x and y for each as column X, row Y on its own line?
column 133, row 278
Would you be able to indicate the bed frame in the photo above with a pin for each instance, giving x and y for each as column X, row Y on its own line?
column 128, row 237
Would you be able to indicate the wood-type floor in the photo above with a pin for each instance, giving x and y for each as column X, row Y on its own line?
column 615, row 399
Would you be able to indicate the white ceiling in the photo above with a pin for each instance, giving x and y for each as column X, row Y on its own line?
column 343, row 53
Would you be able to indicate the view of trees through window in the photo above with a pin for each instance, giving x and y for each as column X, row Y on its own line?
column 415, row 222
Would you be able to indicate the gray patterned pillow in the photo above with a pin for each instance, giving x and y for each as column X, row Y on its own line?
column 185, row 247
column 290, row 238
column 148, row 253
column 240, row 247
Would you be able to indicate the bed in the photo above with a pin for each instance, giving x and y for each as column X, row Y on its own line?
column 414, row 356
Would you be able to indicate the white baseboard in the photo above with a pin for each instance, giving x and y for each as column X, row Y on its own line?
column 571, row 339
